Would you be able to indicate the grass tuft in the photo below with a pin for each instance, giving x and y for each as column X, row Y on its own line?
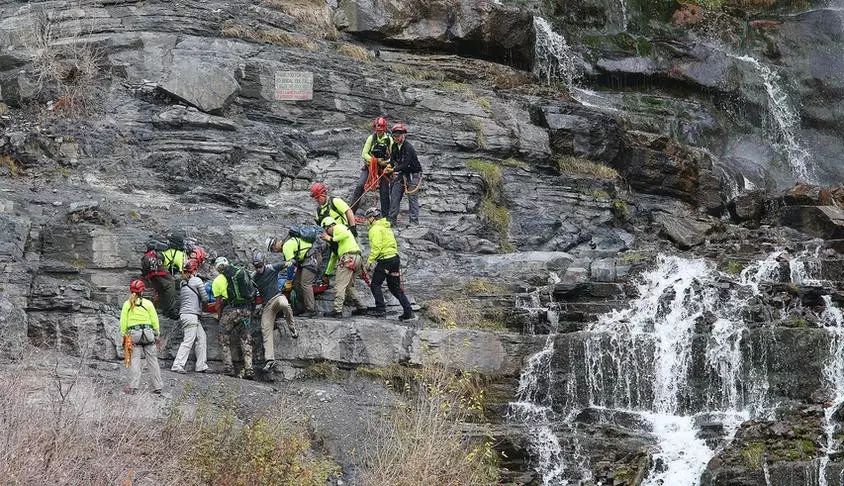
column 355, row 52
column 492, row 209
column 268, row 35
column 582, row 167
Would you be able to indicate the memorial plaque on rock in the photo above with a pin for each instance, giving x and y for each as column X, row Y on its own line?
column 294, row 85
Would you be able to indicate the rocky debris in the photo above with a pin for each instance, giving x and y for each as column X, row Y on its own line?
column 685, row 232
column 748, row 207
column 579, row 131
column 186, row 117
column 788, row 446
column 817, row 221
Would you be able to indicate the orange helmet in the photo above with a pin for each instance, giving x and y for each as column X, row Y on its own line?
column 379, row 124
column 190, row 266
column 318, row 189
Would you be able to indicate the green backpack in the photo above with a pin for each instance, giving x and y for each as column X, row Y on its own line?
column 240, row 289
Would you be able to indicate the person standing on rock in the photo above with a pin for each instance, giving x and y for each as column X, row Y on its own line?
column 347, row 260
column 139, row 320
column 174, row 256
column 384, row 254
column 154, row 271
column 265, row 277
column 234, row 290
column 408, row 175
column 308, row 258
column 376, row 158
column 193, row 296
column 334, row 207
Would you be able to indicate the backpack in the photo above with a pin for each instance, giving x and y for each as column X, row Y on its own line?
column 314, row 256
column 322, row 214
column 152, row 262
column 176, row 240
column 241, row 289
column 380, row 149
column 307, row 233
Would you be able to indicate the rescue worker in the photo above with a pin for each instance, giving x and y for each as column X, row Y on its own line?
column 161, row 280
column 139, row 320
column 234, row 317
column 347, row 260
column 297, row 251
column 265, row 277
column 334, row 207
column 192, row 296
column 408, row 173
column 174, row 256
column 376, row 157
column 384, row 254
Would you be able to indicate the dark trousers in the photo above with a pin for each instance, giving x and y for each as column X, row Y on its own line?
column 383, row 191
column 168, row 297
column 389, row 270
column 397, row 192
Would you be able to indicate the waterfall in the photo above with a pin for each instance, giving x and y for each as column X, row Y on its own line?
column 553, row 59
column 833, row 373
column 624, row 16
column 784, row 118
column 638, row 360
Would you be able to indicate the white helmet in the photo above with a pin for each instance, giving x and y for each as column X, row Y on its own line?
column 221, row 262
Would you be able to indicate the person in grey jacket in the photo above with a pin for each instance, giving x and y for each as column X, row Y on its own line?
column 192, row 296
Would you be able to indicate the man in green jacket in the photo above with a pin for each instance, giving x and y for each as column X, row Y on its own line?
column 384, row 254
column 347, row 260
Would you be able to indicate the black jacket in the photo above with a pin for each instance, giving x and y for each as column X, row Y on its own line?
column 404, row 159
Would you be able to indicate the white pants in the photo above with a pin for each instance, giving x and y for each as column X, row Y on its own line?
column 194, row 334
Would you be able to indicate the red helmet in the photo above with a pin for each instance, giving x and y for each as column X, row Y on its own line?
column 318, row 189
column 137, row 286
column 399, row 128
column 190, row 266
column 379, row 123
column 198, row 254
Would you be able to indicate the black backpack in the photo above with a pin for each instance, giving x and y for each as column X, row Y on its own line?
column 324, row 213
column 380, row 149
column 241, row 289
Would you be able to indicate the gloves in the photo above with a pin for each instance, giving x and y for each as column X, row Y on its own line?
column 325, row 279
column 354, row 230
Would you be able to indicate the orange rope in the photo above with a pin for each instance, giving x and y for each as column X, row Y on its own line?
column 372, row 180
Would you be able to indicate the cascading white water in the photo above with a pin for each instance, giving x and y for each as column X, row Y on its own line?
column 624, row 16
column 553, row 59
column 833, row 373
column 784, row 119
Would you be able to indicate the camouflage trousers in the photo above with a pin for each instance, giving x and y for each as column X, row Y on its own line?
column 236, row 322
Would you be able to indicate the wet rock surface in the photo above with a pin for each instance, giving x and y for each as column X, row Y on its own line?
column 186, row 132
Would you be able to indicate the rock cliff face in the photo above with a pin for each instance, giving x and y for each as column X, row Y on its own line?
column 557, row 170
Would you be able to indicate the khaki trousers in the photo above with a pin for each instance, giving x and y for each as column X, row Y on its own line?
column 268, row 315
column 303, row 284
column 344, row 281
column 151, row 354
column 194, row 336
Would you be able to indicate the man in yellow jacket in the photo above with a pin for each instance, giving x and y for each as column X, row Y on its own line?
column 384, row 254
column 347, row 260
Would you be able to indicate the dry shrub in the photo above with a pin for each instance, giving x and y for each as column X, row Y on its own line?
column 71, row 65
column 80, row 432
column 461, row 313
column 312, row 17
column 355, row 52
column 583, row 167
column 12, row 165
column 422, row 443
column 269, row 35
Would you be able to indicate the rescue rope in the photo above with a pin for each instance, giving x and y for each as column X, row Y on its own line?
column 416, row 189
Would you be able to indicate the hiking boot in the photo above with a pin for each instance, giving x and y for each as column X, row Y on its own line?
column 407, row 316
column 178, row 369
column 293, row 333
column 269, row 365
column 228, row 370
column 334, row 315
column 308, row 315
column 248, row 374
column 376, row 313
column 360, row 311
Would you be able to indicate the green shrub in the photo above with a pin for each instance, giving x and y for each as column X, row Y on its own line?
column 582, row 167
